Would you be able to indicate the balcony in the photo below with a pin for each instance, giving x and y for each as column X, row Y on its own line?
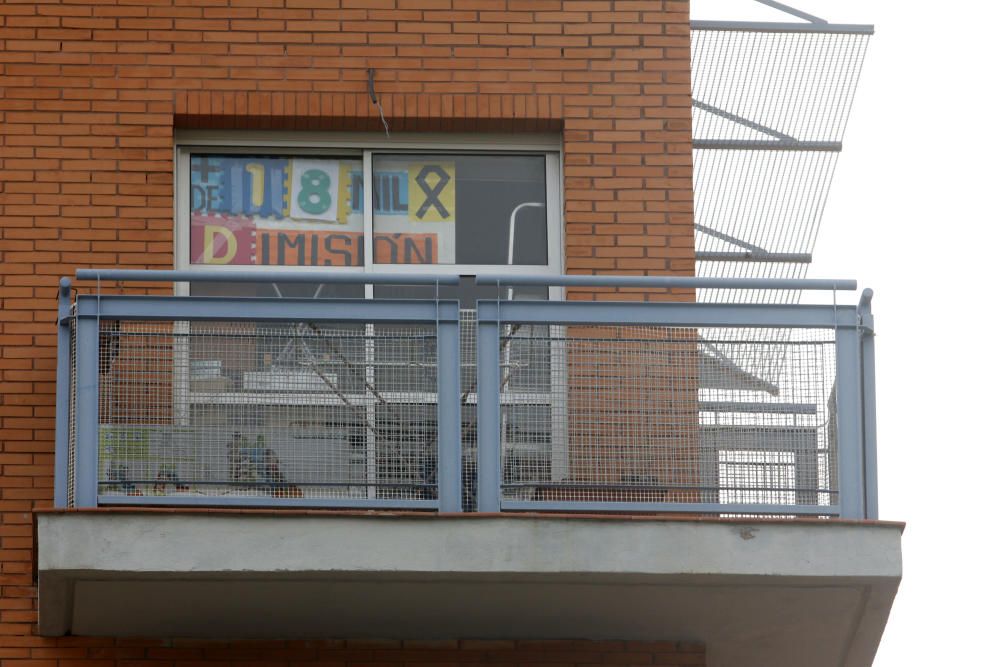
column 367, row 456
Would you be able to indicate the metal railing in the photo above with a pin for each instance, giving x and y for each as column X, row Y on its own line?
column 558, row 405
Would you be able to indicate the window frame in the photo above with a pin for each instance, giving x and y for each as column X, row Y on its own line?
column 366, row 146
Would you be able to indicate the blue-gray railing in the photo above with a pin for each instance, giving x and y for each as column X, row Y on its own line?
column 570, row 359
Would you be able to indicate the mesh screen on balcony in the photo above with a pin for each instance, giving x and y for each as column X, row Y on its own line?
column 665, row 414
column 770, row 107
column 297, row 410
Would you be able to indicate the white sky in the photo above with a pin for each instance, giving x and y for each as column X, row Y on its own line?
column 912, row 214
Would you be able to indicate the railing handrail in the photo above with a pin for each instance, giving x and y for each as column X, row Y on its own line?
column 529, row 280
column 542, row 280
column 264, row 276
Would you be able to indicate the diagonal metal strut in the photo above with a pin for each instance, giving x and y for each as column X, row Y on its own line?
column 730, row 239
column 798, row 13
column 740, row 120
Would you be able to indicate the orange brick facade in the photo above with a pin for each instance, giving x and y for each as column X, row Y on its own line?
column 87, row 652
column 92, row 91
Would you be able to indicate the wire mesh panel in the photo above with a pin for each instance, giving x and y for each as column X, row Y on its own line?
column 623, row 401
column 654, row 414
column 268, row 410
column 469, row 397
column 759, row 85
column 769, row 110
column 758, row 203
column 71, row 425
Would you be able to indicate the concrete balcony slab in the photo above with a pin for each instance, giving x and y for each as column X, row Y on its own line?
column 757, row 592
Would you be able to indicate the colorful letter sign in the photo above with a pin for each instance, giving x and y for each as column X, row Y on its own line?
column 275, row 211
column 315, row 188
column 222, row 239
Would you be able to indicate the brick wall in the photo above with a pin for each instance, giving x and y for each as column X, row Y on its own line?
column 96, row 652
column 91, row 92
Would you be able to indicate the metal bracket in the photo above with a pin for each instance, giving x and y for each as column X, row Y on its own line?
column 866, row 322
column 749, row 256
column 765, row 145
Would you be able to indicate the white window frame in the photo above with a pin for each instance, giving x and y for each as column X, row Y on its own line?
column 366, row 147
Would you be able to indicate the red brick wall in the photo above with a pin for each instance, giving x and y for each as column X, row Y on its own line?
column 96, row 652
column 91, row 92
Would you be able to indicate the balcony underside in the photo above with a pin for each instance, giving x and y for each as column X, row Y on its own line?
column 756, row 592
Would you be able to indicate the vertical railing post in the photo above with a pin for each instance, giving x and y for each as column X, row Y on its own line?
column 867, row 323
column 64, row 342
column 849, row 423
column 449, row 477
column 488, row 407
column 87, row 407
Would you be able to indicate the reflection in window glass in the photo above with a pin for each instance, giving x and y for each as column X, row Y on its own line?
column 276, row 211
column 459, row 209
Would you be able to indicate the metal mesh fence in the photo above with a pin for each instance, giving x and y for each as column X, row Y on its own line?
column 469, row 398
column 296, row 410
column 71, row 426
column 642, row 414
column 772, row 86
column 660, row 414
column 758, row 202
column 769, row 110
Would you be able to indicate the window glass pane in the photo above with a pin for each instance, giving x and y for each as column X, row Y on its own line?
column 254, row 210
column 460, row 209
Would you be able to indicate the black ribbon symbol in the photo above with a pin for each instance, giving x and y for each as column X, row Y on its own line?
column 430, row 192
